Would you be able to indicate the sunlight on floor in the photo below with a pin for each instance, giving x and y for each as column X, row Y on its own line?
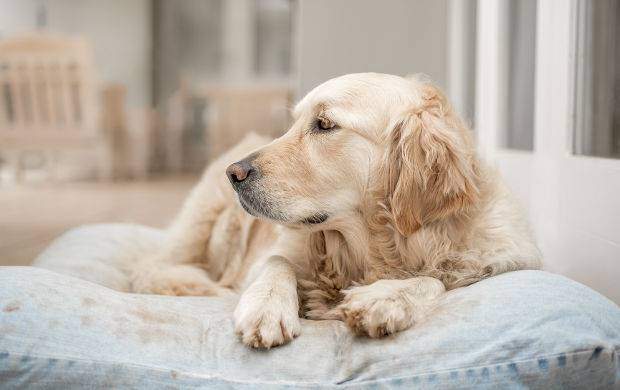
column 32, row 216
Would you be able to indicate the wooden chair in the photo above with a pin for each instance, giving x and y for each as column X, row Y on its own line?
column 49, row 117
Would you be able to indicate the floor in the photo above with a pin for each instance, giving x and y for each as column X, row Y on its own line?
column 32, row 216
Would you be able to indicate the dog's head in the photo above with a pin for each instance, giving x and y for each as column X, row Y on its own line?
column 357, row 136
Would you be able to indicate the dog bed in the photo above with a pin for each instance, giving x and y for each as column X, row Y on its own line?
column 69, row 321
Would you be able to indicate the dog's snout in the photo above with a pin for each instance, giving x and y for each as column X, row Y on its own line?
column 239, row 172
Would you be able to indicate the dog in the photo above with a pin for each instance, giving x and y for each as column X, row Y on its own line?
column 367, row 210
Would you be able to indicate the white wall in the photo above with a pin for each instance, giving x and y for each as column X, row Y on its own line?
column 390, row 36
column 119, row 30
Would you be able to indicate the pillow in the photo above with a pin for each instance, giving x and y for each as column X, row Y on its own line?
column 520, row 329
column 100, row 253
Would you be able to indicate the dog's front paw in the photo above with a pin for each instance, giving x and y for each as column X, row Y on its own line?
column 266, row 321
column 376, row 310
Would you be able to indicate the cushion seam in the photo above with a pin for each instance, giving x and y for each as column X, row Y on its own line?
column 615, row 351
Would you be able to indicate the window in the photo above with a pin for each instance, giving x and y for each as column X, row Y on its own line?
column 198, row 41
column 521, row 75
column 273, row 38
column 597, row 79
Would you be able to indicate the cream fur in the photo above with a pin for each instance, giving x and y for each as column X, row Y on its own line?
column 411, row 212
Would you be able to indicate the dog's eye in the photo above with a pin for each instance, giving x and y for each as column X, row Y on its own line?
column 324, row 124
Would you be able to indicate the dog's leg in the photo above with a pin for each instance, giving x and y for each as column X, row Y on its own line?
column 175, row 279
column 388, row 306
column 267, row 313
column 179, row 267
column 183, row 266
column 190, row 259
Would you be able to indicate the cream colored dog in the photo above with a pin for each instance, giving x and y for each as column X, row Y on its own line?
column 370, row 207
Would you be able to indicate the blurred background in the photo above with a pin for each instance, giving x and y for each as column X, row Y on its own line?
column 109, row 110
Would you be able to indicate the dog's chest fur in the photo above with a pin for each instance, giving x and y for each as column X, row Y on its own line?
column 335, row 265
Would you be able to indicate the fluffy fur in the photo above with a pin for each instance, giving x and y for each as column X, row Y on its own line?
column 367, row 222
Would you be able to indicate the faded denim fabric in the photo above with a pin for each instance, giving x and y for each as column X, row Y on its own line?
column 527, row 329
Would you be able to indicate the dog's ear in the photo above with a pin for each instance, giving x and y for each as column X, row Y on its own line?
column 430, row 166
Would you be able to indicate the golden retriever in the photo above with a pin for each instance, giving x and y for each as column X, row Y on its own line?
column 369, row 208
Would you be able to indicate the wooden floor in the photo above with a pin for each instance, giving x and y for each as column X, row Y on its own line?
column 32, row 216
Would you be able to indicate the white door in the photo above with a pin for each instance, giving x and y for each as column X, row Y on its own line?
column 572, row 50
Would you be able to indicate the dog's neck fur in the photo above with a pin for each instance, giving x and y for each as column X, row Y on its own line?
column 367, row 246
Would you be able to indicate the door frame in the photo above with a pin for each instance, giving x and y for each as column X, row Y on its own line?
column 573, row 201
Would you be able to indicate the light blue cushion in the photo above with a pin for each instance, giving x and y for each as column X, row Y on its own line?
column 522, row 329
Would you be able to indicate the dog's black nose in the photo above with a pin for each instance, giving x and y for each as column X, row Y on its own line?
column 239, row 171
